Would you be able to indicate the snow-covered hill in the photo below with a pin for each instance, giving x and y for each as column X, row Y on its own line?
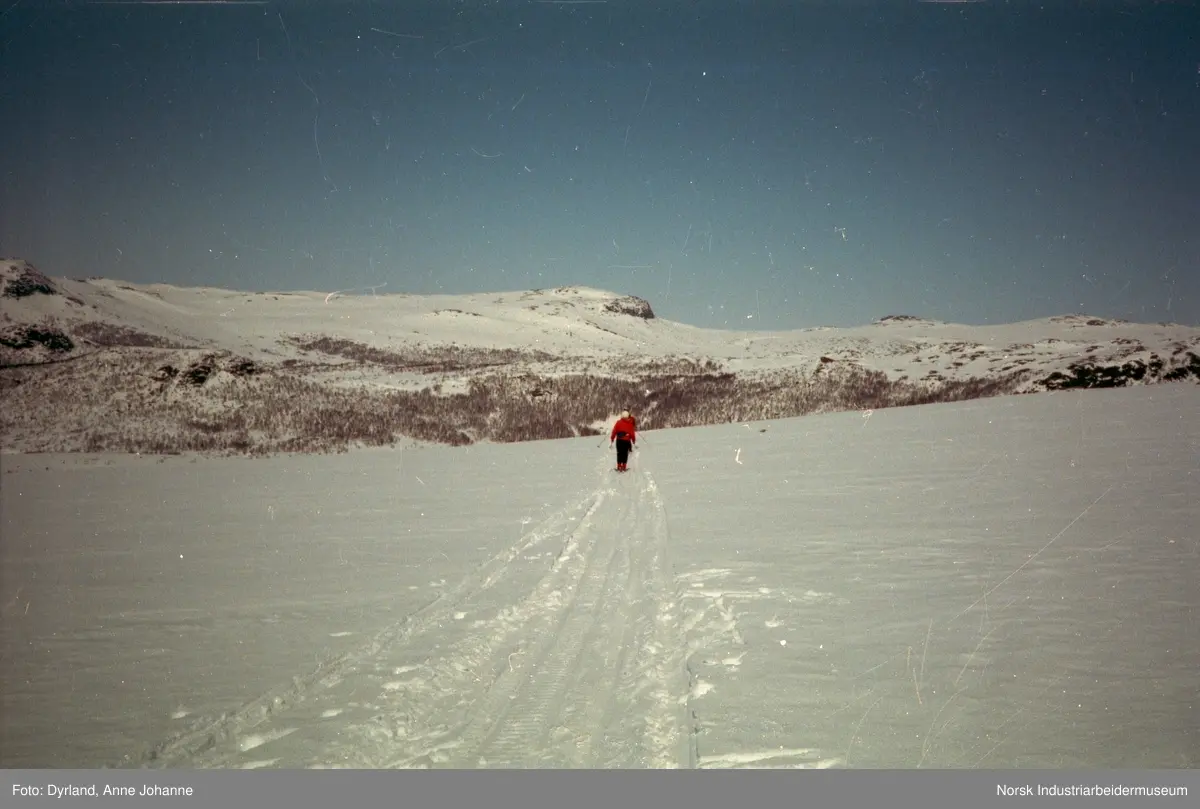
column 165, row 335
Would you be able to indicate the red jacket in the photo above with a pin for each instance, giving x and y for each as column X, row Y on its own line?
column 624, row 428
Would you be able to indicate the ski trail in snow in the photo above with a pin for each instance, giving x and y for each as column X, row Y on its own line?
column 601, row 682
column 575, row 662
column 204, row 736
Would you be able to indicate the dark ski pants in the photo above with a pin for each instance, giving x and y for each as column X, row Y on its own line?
column 623, row 448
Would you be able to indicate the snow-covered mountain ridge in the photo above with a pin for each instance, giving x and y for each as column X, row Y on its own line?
column 136, row 360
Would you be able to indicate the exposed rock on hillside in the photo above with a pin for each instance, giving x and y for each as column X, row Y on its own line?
column 1091, row 375
column 20, row 280
column 631, row 305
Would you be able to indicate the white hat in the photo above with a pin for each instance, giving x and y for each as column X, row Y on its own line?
column 624, row 414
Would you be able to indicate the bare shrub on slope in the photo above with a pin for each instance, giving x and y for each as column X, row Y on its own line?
column 426, row 359
column 567, row 405
column 151, row 401
column 109, row 335
column 47, row 335
column 131, row 400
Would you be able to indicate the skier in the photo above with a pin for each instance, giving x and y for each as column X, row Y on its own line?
column 624, row 435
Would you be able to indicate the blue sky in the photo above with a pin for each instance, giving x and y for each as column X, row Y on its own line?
column 742, row 165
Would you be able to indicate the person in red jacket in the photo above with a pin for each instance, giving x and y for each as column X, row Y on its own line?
column 624, row 435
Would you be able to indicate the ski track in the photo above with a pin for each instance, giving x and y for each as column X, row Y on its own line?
column 578, row 664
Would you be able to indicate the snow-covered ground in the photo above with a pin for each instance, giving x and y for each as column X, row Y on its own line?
column 999, row 583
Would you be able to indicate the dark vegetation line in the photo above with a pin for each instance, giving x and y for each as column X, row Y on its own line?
column 132, row 400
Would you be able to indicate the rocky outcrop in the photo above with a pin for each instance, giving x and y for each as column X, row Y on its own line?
column 630, row 305
column 20, row 280
column 198, row 372
column 1093, row 375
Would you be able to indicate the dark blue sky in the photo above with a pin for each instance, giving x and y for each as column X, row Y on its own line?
column 741, row 164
